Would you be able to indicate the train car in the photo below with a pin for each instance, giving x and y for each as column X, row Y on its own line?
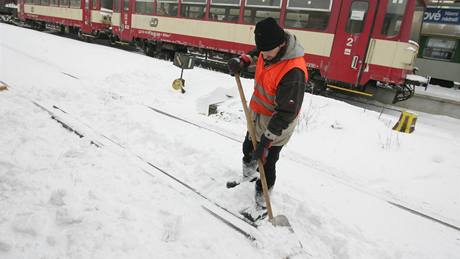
column 439, row 55
column 88, row 18
column 8, row 7
column 353, row 45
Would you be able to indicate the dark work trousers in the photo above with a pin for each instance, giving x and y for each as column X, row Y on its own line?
column 270, row 162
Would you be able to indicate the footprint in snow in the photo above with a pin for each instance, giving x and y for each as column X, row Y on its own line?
column 171, row 226
column 4, row 247
column 64, row 217
column 57, row 198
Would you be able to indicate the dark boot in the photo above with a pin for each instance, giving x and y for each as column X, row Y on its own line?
column 259, row 195
column 250, row 168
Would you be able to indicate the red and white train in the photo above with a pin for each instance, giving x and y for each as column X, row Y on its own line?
column 360, row 46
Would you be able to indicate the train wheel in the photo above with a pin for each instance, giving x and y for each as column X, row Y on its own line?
column 170, row 55
column 80, row 35
column 140, row 44
column 113, row 40
column 404, row 92
column 41, row 26
column 315, row 86
column 149, row 49
column 62, row 29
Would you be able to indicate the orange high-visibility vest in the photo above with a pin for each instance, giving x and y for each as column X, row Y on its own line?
column 267, row 80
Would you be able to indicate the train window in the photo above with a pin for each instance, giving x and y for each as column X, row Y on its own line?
column 257, row 10
column 64, row 3
column 36, row 2
column 116, row 6
column 75, row 3
column 54, row 2
column 108, row 4
column 224, row 13
column 440, row 48
column 394, row 17
column 263, row 3
column 94, row 4
column 357, row 16
column 45, row 2
column 167, row 7
column 29, row 1
column 144, row 6
column 254, row 15
column 125, row 5
column 306, row 19
column 226, row 2
column 313, row 14
column 312, row 5
column 224, row 10
column 195, row 9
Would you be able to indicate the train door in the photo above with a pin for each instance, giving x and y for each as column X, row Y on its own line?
column 86, row 26
column 351, row 40
column 125, row 26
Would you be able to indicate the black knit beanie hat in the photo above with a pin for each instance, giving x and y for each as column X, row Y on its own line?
column 268, row 34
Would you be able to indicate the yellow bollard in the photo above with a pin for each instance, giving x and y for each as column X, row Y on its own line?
column 406, row 122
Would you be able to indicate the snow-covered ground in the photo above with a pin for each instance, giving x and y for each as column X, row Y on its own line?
column 338, row 179
column 441, row 92
column 436, row 90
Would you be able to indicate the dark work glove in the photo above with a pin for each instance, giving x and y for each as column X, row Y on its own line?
column 262, row 148
column 236, row 65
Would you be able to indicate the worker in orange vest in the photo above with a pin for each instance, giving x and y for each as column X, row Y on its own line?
column 280, row 80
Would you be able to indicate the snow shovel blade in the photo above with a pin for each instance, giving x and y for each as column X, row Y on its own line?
column 282, row 221
column 291, row 243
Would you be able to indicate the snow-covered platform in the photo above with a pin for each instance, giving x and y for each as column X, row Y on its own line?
column 435, row 100
column 350, row 185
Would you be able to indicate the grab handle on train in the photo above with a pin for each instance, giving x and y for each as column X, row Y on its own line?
column 354, row 62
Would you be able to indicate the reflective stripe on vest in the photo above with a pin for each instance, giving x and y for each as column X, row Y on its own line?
column 255, row 99
column 267, row 80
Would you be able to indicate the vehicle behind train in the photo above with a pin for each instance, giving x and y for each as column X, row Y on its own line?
column 439, row 55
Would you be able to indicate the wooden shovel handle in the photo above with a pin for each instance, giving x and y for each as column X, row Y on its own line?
column 252, row 134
